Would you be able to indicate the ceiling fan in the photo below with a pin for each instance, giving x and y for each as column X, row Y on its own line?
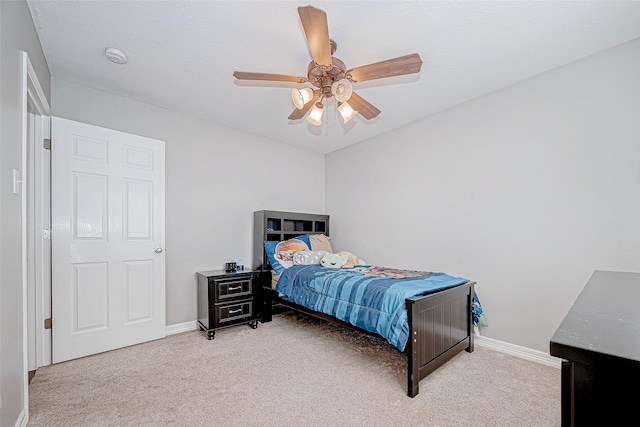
column 330, row 77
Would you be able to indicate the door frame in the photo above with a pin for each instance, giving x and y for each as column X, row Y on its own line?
column 34, row 99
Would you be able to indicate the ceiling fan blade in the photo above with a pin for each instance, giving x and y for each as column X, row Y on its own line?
column 407, row 64
column 299, row 113
column 314, row 22
column 362, row 106
column 242, row 75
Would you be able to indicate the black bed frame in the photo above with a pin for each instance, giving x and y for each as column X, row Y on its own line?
column 440, row 324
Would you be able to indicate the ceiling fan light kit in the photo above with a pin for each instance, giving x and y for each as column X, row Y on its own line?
column 330, row 76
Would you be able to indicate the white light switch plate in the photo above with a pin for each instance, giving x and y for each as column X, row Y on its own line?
column 16, row 182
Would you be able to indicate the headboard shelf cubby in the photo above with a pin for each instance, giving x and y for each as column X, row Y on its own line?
column 279, row 225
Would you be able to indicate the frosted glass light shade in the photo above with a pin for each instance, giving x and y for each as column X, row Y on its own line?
column 301, row 97
column 346, row 111
column 315, row 116
column 342, row 90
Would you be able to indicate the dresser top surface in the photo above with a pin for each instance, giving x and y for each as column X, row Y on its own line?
column 604, row 320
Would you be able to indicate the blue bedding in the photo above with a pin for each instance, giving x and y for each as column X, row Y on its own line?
column 372, row 298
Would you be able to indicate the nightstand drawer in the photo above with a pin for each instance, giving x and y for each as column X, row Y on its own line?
column 229, row 312
column 232, row 287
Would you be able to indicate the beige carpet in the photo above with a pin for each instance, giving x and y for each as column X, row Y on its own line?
column 293, row 371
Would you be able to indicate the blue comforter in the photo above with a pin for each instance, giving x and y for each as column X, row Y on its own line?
column 362, row 296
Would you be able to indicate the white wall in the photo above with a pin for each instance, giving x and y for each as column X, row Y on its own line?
column 215, row 178
column 526, row 190
column 17, row 34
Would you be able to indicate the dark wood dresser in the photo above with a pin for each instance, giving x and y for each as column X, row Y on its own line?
column 226, row 299
column 599, row 342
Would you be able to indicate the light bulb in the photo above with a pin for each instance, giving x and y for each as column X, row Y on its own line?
column 342, row 90
column 301, row 97
column 315, row 116
column 346, row 111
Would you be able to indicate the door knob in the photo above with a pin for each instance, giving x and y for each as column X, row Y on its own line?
column 158, row 250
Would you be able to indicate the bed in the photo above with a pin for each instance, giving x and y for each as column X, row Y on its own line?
column 429, row 316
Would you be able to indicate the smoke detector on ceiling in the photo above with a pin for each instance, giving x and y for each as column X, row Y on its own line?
column 116, row 56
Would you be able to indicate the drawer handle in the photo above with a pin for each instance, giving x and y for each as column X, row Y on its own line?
column 235, row 311
column 235, row 288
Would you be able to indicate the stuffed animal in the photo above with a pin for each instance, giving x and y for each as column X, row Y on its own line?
column 342, row 259
column 333, row 260
column 352, row 260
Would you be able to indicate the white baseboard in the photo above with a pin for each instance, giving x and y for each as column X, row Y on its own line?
column 516, row 350
column 181, row 327
column 23, row 418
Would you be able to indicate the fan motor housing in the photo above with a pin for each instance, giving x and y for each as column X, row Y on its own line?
column 323, row 77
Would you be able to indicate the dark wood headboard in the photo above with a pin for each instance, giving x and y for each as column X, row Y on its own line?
column 277, row 225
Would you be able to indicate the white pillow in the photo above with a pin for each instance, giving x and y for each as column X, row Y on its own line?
column 308, row 257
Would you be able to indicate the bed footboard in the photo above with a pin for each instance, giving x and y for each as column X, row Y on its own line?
column 440, row 326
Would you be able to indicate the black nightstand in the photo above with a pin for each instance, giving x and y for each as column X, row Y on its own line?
column 226, row 299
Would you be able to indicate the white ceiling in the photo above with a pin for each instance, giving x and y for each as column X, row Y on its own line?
column 182, row 54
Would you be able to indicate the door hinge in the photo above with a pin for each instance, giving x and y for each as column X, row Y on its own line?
column 47, row 323
column 46, row 143
column 46, row 234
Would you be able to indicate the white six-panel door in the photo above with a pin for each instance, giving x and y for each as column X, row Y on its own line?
column 108, row 261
